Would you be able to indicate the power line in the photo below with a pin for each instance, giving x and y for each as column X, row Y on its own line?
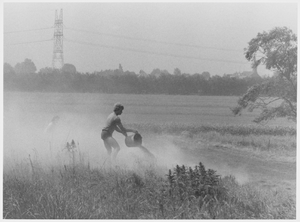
column 31, row 42
column 130, row 38
column 154, row 41
column 28, row 30
column 153, row 53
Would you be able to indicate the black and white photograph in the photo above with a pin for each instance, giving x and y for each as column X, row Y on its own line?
column 149, row 110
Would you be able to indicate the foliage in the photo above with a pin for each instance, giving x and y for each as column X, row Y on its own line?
column 8, row 69
column 9, row 76
column 186, row 193
column 46, row 70
column 68, row 68
column 114, row 81
column 177, row 71
column 26, row 67
column 186, row 182
column 276, row 97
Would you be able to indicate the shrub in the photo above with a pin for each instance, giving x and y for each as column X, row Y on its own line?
column 195, row 182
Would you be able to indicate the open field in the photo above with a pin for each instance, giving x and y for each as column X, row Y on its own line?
column 93, row 108
column 183, row 130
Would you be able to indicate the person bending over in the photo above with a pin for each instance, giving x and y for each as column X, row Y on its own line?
column 113, row 123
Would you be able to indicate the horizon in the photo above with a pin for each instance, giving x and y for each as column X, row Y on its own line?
column 143, row 36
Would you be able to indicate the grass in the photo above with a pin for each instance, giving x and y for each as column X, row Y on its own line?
column 270, row 142
column 281, row 148
column 148, row 192
column 239, row 130
column 33, row 190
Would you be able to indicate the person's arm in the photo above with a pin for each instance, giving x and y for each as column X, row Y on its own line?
column 123, row 130
column 120, row 131
column 131, row 130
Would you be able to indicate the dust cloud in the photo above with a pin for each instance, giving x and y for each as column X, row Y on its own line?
column 169, row 155
column 41, row 139
column 41, row 135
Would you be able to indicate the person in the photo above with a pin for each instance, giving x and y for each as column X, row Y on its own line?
column 113, row 123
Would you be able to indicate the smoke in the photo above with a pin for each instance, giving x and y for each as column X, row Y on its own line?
column 31, row 135
column 168, row 155
column 27, row 140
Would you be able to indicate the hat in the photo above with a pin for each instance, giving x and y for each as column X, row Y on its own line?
column 118, row 106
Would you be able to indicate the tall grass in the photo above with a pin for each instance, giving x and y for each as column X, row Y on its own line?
column 74, row 190
column 147, row 192
column 240, row 130
column 273, row 142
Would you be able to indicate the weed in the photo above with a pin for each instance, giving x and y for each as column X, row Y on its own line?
column 118, row 193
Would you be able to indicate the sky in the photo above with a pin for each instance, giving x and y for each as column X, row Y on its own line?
column 195, row 37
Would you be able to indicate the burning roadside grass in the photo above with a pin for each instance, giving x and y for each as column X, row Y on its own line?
column 146, row 192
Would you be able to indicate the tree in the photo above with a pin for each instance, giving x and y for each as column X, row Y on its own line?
column 8, row 69
column 177, row 71
column 26, row 67
column 8, row 76
column 120, row 68
column 68, row 68
column 142, row 73
column 46, row 70
column 206, row 75
column 156, row 72
column 276, row 97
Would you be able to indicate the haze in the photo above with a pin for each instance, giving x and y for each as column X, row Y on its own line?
column 194, row 37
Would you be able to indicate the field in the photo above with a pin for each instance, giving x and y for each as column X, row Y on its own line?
column 256, row 164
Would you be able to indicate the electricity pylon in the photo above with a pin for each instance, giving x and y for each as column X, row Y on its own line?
column 58, row 54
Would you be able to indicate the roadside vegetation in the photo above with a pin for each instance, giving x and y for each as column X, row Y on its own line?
column 269, row 142
column 240, row 130
column 148, row 192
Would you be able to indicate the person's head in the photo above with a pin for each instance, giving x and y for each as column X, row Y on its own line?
column 118, row 108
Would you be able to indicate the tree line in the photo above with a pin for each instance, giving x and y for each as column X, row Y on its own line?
column 68, row 80
column 274, row 96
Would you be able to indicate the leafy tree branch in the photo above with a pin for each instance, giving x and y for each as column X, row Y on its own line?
column 277, row 51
